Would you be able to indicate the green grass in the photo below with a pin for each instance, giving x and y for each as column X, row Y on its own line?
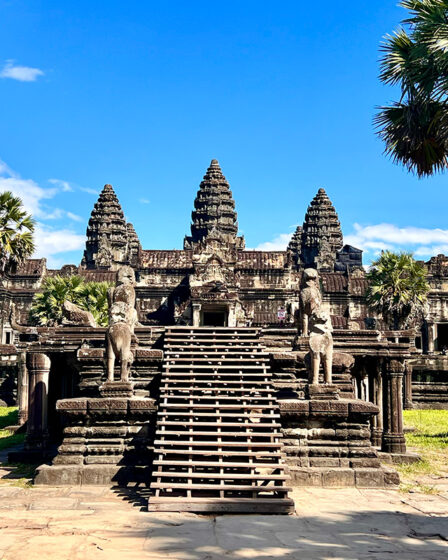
column 18, row 474
column 428, row 438
column 8, row 417
column 431, row 428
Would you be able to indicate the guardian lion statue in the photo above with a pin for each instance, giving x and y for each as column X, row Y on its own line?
column 321, row 346
column 310, row 298
column 122, row 321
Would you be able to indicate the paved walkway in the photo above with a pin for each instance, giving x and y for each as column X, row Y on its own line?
column 94, row 523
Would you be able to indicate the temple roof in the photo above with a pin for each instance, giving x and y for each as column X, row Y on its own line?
column 214, row 207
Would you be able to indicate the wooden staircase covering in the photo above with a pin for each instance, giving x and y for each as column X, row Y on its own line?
column 218, row 441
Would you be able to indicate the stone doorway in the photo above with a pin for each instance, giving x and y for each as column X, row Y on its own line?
column 214, row 317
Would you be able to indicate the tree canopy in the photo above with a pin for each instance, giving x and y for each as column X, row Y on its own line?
column 46, row 308
column 415, row 57
column 397, row 288
column 16, row 232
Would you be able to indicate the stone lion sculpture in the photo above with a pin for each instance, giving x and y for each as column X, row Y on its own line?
column 72, row 314
column 122, row 321
column 321, row 346
column 310, row 298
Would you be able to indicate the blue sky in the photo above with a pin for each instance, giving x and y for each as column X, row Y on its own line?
column 143, row 95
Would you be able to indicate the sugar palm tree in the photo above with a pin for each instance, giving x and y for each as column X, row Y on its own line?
column 397, row 287
column 47, row 305
column 93, row 298
column 16, row 232
column 415, row 128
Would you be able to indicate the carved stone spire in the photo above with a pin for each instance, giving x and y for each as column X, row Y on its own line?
column 322, row 234
column 294, row 246
column 214, row 208
column 134, row 246
column 108, row 244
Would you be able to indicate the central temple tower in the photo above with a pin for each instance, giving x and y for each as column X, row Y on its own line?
column 214, row 209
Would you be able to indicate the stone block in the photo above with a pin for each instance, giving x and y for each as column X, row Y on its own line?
column 305, row 477
column 369, row 478
column 338, row 478
column 325, row 462
column 391, row 477
column 142, row 406
column 362, row 407
column 99, row 475
column 331, row 408
column 58, row 475
column 108, row 406
column 72, row 406
column 294, row 406
column 68, row 460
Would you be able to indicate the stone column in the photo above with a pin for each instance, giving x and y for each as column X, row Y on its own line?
column 431, row 337
column 377, row 398
column 37, row 429
column 22, row 389
column 393, row 437
column 196, row 314
column 408, row 387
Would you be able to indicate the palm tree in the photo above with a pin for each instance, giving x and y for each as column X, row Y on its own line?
column 93, row 298
column 47, row 305
column 415, row 128
column 16, row 232
column 397, row 287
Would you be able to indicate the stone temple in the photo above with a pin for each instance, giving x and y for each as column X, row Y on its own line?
column 218, row 413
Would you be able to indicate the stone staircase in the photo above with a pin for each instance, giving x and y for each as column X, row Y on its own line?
column 218, row 441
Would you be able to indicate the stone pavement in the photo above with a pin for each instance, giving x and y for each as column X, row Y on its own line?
column 86, row 523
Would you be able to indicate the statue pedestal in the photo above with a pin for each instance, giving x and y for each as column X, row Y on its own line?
column 122, row 389
column 106, row 441
column 324, row 392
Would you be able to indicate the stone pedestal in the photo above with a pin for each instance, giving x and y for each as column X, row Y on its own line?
column 393, row 436
column 326, row 391
column 106, row 441
column 121, row 389
column 327, row 443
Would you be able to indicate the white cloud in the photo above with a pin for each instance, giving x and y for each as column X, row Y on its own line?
column 20, row 73
column 65, row 185
column 144, row 201
column 90, row 191
column 49, row 240
column 423, row 242
column 279, row 243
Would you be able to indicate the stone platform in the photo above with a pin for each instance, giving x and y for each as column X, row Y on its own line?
column 106, row 441
column 327, row 443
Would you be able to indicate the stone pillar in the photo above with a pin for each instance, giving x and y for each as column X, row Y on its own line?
column 408, row 387
column 196, row 314
column 231, row 315
column 37, row 429
column 431, row 337
column 393, row 436
column 377, row 398
column 22, row 389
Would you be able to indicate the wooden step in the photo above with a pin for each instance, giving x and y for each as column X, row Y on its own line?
column 217, row 398
column 183, row 443
column 221, row 424
column 219, row 434
column 220, row 464
column 217, row 487
column 219, row 476
column 219, row 415
column 222, row 505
